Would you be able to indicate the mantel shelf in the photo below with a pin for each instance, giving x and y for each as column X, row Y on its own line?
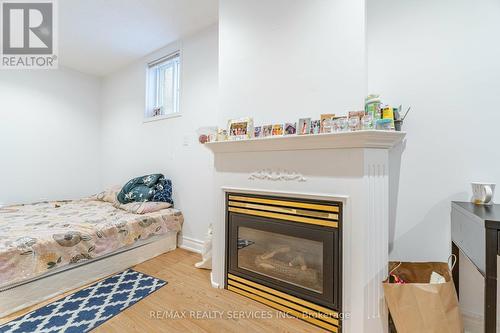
column 358, row 139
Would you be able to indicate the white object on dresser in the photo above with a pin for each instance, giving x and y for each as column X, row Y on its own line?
column 482, row 193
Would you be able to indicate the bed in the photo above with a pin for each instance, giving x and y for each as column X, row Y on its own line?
column 50, row 247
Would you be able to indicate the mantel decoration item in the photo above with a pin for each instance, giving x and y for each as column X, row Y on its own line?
column 267, row 130
column 257, row 133
column 372, row 106
column 315, row 126
column 326, row 123
column 367, row 122
column 221, row 135
column 354, row 124
column 355, row 119
column 277, row 129
column 398, row 119
column 340, row 124
column 203, row 138
column 304, row 126
column 483, row 193
column 290, row 128
column 240, row 129
column 388, row 113
column 383, row 124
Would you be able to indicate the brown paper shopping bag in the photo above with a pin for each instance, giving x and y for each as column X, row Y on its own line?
column 419, row 306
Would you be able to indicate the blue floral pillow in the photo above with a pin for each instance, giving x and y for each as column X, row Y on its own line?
column 164, row 192
column 146, row 188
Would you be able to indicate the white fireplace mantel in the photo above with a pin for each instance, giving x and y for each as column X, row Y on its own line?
column 359, row 139
column 352, row 168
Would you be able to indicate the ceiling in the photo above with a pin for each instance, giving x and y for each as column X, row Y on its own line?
column 100, row 36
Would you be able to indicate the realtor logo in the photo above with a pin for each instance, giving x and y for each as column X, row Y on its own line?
column 28, row 33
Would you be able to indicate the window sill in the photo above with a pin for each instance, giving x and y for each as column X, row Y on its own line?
column 167, row 116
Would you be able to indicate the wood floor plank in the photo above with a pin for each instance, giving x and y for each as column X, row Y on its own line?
column 189, row 291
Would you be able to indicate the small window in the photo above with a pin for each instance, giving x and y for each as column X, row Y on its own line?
column 163, row 87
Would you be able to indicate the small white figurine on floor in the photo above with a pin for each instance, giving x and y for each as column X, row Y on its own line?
column 206, row 252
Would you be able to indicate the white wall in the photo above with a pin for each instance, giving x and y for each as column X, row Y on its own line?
column 49, row 135
column 132, row 148
column 282, row 60
column 442, row 58
column 439, row 57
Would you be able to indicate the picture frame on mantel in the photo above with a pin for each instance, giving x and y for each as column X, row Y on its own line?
column 240, row 129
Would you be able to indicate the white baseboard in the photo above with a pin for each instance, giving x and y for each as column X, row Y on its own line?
column 214, row 284
column 190, row 244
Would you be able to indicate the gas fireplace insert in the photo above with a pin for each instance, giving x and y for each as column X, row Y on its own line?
column 286, row 252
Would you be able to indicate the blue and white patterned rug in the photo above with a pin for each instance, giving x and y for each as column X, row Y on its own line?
column 88, row 308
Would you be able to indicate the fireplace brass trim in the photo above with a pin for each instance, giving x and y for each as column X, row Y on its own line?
column 310, row 313
column 334, row 209
column 286, row 210
column 307, row 312
column 286, row 217
column 291, row 298
column 283, row 308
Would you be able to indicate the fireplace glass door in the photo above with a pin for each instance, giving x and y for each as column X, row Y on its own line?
column 292, row 260
column 296, row 258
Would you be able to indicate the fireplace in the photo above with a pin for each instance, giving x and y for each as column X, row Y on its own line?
column 350, row 171
column 286, row 253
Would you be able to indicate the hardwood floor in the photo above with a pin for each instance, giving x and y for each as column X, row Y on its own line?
column 184, row 304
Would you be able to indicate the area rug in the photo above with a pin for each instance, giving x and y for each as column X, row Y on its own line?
column 88, row 308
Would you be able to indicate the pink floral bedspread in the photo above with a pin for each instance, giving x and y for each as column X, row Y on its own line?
column 38, row 238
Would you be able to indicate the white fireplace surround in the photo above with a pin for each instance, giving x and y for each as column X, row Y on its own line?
column 349, row 167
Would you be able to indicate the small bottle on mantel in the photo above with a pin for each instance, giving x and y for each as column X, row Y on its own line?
column 372, row 106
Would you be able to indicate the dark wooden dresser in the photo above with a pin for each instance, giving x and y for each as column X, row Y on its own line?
column 475, row 232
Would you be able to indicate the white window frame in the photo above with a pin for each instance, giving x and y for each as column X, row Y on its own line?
column 154, row 90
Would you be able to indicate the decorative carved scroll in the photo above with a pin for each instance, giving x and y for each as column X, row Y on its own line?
column 279, row 175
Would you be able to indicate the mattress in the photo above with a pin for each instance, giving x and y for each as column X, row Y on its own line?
column 38, row 238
